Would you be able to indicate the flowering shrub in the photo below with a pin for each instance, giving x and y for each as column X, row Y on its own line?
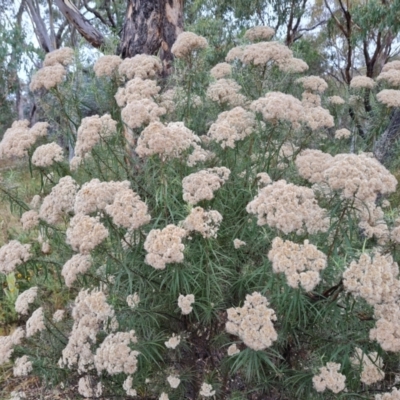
column 212, row 237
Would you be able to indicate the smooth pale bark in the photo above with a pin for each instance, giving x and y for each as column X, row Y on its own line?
column 82, row 25
column 151, row 27
column 39, row 27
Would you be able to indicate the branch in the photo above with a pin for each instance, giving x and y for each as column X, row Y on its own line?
column 303, row 8
column 78, row 21
column 313, row 27
column 335, row 18
column 96, row 13
column 110, row 17
column 60, row 32
column 39, row 28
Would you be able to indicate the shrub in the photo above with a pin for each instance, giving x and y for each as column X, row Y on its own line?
column 157, row 267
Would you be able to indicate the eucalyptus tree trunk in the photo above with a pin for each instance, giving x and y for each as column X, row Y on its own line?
column 151, row 27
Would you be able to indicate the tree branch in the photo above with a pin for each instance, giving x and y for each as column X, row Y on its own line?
column 109, row 15
column 60, row 32
column 39, row 28
column 313, row 27
column 96, row 13
column 78, row 21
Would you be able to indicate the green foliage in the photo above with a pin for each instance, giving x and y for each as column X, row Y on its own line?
column 376, row 15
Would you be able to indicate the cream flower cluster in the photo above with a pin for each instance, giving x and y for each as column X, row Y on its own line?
column 313, row 83
column 173, row 381
column 309, row 99
column 132, row 300
column 261, row 53
column 253, row 322
column 29, row 220
column 374, row 278
column 318, row 118
column 164, row 246
column 395, row 232
column 173, row 341
column 141, row 112
column 202, row 185
column 389, row 97
column 7, row 344
column 226, row 91
column 185, row 303
column 221, row 70
column 277, row 106
column 392, row 77
column 233, row 349
column 293, row 65
column 391, row 73
column 12, row 255
column 186, row 43
column 336, row 100
column 90, row 313
column 237, row 243
column 115, row 356
column 393, row 395
column 48, row 77
column 263, row 179
column 127, row 386
column 372, row 222
column 35, row 323
column 359, row 176
column 58, row 316
column 91, row 131
column 53, row 71
column 199, row 155
column 362, row 82
column 387, row 326
column 206, row 390
column 370, row 366
column 107, row 65
column 136, row 89
column 18, row 139
column 24, row 299
column 268, row 53
column 289, row 208
column 95, row 195
column 232, row 126
column 60, row 202
column 63, row 56
column 391, row 65
column 342, row 133
column 35, row 202
column 85, row 233
column 205, row 222
column 175, row 98
column 88, row 389
column 47, row 154
column 259, row 33
column 329, row 378
column 300, row 263
column 166, row 141
column 22, row 366
column 78, row 264
column 140, row 66
column 128, row 211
